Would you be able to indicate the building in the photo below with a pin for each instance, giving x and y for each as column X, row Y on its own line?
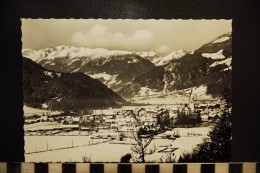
column 163, row 118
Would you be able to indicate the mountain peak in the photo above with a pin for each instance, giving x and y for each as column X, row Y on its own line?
column 169, row 57
column 145, row 53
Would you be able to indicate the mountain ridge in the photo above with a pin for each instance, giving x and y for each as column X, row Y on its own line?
column 62, row 91
column 209, row 65
column 113, row 68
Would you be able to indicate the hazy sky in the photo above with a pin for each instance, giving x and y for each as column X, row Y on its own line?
column 162, row 36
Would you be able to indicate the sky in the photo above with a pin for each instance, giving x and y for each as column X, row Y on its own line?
column 161, row 36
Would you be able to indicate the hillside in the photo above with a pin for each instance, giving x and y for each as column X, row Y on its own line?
column 64, row 91
column 209, row 65
column 114, row 68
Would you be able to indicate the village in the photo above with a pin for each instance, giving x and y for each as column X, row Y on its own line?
column 115, row 127
column 124, row 120
column 167, row 126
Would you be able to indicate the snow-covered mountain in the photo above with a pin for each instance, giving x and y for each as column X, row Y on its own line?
column 210, row 65
column 114, row 68
column 168, row 58
column 71, row 52
column 161, row 60
column 149, row 55
column 146, row 54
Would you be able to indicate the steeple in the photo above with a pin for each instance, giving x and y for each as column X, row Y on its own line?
column 191, row 101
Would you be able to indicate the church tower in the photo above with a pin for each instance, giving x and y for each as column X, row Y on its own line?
column 191, row 101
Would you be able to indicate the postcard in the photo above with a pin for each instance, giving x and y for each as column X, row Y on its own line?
column 106, row 90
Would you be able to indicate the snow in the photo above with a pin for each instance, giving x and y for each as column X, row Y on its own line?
column 149, row 96
column 72, row 61
column 227, row 69
column 102, row 75
column 70, row 52
column 44, row 106
column 58, row 74
column 133, row 61
column 171, row 56
column 191, row 52
column 118, row 82
column 110, row 80
column 105, row 152
column 47, row 73
column 202, row 89
column 226, row 62
column 76, row 70
column 33, row 54
column 145, row 54
column 217, row 55
column 145, row 91
column 29, row 111
column 222, row 39
column 184, row 132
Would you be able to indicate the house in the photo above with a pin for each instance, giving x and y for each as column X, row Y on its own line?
column 69, row 119
column 204, row 118
column 149, row 121
column 75, row 120
column 216, row 106
column 163, row 118
column 186, row 110
column 141, row 112
column 44, row 118
column 128, row 131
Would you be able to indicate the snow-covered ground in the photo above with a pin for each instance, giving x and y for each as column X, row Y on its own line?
column 217, row 55
column 29, row 111
column 226, row 69
column 222, row 39
column 109, row 80
column 168, row 58
column 46, row 125
column 226, row 62
column 104, row 152
column 148, row 96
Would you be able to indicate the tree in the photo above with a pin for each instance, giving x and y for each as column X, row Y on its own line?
column 220, row 137
column 169, row 158
column 141, row 143
column 218, row 148
column 86, row 159
column 126, row 158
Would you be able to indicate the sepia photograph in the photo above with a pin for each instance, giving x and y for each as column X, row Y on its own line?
column 111, row 90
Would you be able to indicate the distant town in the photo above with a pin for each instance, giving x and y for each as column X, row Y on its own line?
column 123, row 120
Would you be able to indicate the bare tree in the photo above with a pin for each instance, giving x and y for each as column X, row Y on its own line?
column 141, row 144
column 86, row 159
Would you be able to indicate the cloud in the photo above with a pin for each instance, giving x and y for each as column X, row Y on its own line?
column 100, row 36
column 163, row 49
column 98, row 31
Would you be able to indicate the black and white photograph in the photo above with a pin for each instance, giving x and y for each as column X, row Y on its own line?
column 127, row 90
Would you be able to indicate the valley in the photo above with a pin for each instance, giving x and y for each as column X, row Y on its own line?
column 91, row 101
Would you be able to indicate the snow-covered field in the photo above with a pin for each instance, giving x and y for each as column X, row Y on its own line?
column 104, row 152
column 40, row 125
column 147, row 96
column 28, row 111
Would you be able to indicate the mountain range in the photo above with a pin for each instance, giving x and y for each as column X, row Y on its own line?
column 127, row 72
column 114, row 68
column 64, row 91
column 210, row 65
